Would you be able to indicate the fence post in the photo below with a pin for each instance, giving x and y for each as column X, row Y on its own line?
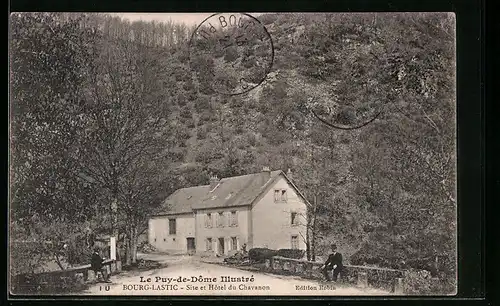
column 271, row 263
column 398, row 285
column 112, row 250
column 362, row 279
column 91, row 276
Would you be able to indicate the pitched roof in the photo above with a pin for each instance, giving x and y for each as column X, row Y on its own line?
column 231, row 191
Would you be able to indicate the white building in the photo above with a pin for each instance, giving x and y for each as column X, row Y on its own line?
column 263, row 209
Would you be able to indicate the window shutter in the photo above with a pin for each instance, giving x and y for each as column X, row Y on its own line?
column 222, row 219
column 276, row 195
column 283, row 195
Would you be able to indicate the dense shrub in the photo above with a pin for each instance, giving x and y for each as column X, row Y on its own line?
column 422, row 276
column 78, row 253
column 192, row 95
column 231, row 54
column 201, row 133
column 239, row 130
column 202, row 103
column 235, row 102
column 268, row 18
column 190, row 124
column 380, row 254
column 186, row 113
column 291, row 253
column 206, row 117
column 206, row 87
column 396, row 257
column 251, row 139
column 25, row 257
column 261, row 254
column 175, row 156
column 47, row 284
column 188, row 86
column 417, row 282
column 183, row 135
column 249, row 62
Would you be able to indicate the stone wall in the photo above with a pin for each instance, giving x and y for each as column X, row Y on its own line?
column 60, row 281
column 361, row 276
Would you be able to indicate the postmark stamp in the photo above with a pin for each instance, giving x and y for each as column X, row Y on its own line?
column 346, row 117
column 231, row 53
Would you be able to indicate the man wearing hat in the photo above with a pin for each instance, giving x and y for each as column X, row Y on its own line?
column 334, row 262
column 96, row 265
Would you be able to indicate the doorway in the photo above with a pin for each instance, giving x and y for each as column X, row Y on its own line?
column 221, row 246
column 191, row 246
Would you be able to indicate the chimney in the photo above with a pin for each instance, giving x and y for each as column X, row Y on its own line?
column 267, row 171
column 289, row 174
column 214, row 180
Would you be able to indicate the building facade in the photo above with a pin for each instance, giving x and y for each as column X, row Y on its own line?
column 259, row 210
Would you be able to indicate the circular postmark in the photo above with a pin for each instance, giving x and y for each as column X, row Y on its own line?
column 230, row 53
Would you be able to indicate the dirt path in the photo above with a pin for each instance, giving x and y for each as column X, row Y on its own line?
column 186, row 275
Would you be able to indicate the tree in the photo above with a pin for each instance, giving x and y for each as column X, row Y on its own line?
column 50, row 59
column 122, row 144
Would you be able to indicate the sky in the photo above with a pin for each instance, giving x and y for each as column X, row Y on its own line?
column 187, row 18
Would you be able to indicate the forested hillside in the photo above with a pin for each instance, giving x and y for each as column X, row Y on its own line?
column 107, row 111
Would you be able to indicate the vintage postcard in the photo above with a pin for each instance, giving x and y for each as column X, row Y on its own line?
column 232, row 154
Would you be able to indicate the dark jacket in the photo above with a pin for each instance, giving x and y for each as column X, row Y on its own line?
column 96, row 262
column 334, row 259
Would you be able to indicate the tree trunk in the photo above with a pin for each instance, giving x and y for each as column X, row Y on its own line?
column 56, row 257
column 114, row 222
column 133, row 244
column 308, row 238
column 128, row 259
column 313, row 231
column 308, row 245
column 313, row 245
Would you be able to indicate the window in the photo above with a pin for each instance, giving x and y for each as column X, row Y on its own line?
column 208, row 220
column 220, row 220
column 283, row 195
column 234, row 244
column 209, row 244
column 276, row 195
column 234, row 218
column 172, row 227
column 280, row 195
column 295, row 242
column 293, row 217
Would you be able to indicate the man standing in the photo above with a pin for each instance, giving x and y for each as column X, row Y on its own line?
column 97, row 267
column 334, row 262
